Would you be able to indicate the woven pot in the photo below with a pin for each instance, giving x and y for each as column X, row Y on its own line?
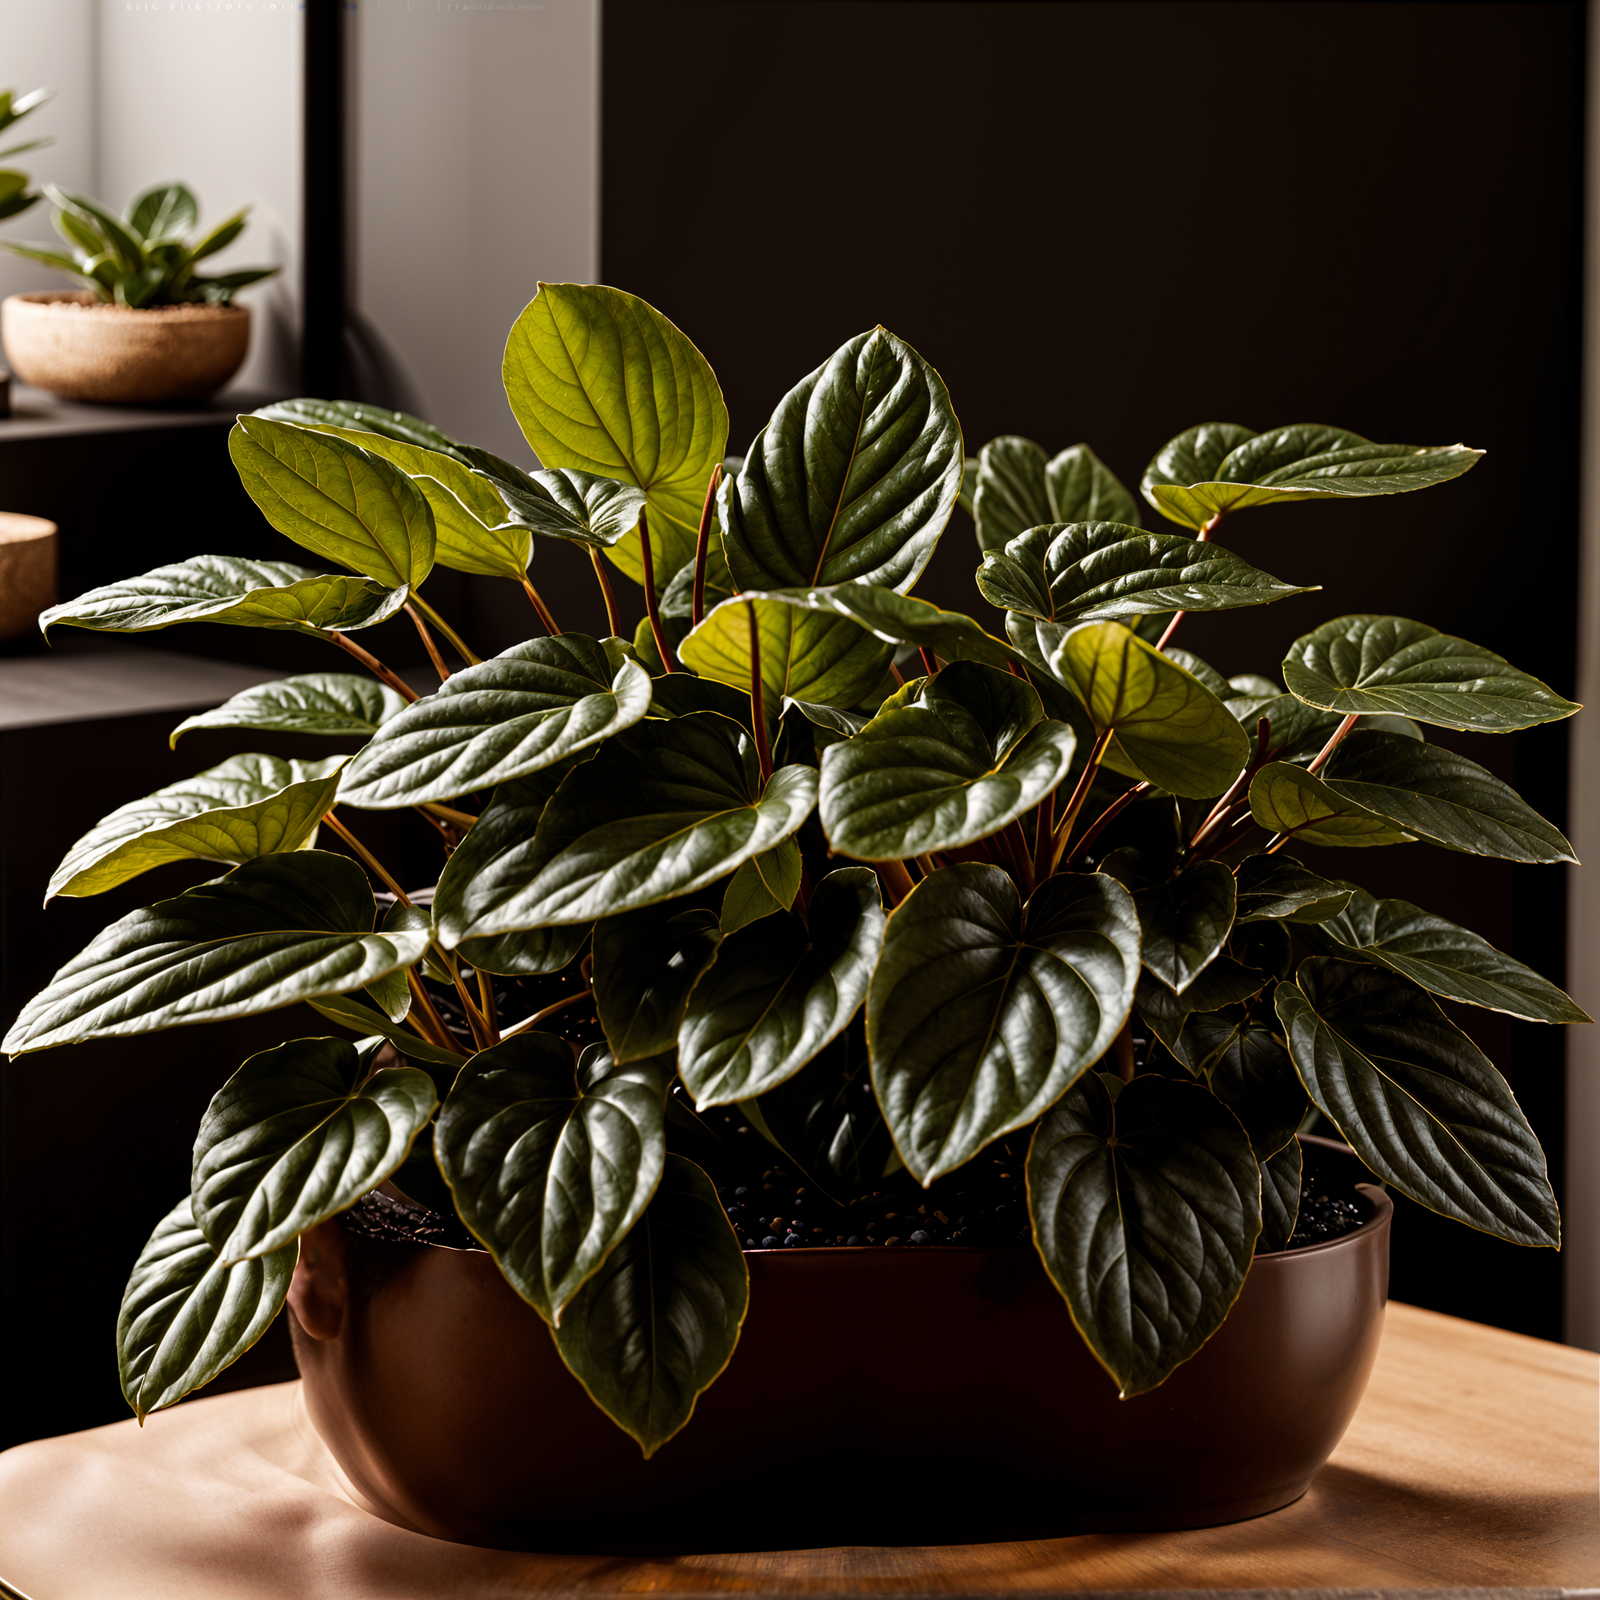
column 67, row 343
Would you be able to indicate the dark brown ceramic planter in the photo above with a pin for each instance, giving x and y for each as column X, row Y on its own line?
column 908, row 1395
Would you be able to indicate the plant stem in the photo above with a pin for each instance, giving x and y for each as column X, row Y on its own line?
column 428, row 644
column 758, row 712
column 475, row 1019
column 652, row 605
column 1044, row 829
column 549, row 1011
column 1122, row 1049
column 702, row 548
column 374, row 665
column 605, row 588
column 1107, row 817
column 437, row 1032
column 1217, row 813
column 445, row 628
column 459, row 819
column 896, row 879
column 803, row 894
column 540, row 607
column 1333, row 741
column 930, row 662
column 486, row 1002
column 373, row 863
column 443, row 829
column 1064, row 828
column 1021, row 855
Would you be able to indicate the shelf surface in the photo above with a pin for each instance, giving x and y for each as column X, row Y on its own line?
column 36, row 415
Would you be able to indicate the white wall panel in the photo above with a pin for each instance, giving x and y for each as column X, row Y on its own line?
column 475, row 174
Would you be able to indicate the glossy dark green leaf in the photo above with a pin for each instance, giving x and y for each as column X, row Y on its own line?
column 526, row 953
column 288, row 927
column 980, row 1015
column 1359, row 664
column 763, row 886
column 1280, row 1197
column 1287, row 799
column 826, row 1119
column 363, row 418
column 1145, row 1213
column 1093, row 571
column 297, row 1134
column 551, row 1166
column 602, row 382
column 1169, row 727
column 1082, row 488
column 562, row 502
column 645, row 963
column 1224, row 982
column 1416, row 1099
column 1279, row 888
column 1219, row 467
column 1442, row 797
column 1446, row 959
column 1298, row 732
column 681, row 694
column 664, row 809
column 362, row 1020
column 185, row 1316
column 531, row 707
column 337, row 705
column 656, row 1325
column 1011, row 492
column 336, row 499
column 227, row 589
column 1250, row 1072
column 970, row 753
column 806, row 653
column 249, row 806
column 854, row 477
column 1184, row 919
column 779, row 990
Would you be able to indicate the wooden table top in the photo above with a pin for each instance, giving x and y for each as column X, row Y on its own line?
column 1473, row 1463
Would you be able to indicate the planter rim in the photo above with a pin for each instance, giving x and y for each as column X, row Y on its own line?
column 87, row 300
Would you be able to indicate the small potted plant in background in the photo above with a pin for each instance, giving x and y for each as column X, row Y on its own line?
column 814, row 951
column 149, row 324
column 15, row 195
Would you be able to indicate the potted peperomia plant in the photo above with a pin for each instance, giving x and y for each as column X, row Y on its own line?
column 810, row 919
column 149, row 322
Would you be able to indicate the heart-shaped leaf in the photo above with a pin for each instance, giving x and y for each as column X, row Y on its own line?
column 764, row 885
column 185, row 1316
column 1280, row 1198
column 1015, row 488
column 779, row 990
column 600, row 381
column 335, row 499
column 1416, row 1099
column 1360, row 664
column 1279, row 888
column 227, row 589
column 1288, row 799
column 1443, row 797
column 904, row 619
column 1184, row 919
column 551, row 1167
column 645, row 964
column 163, row 214
column 296, row 1135
column 806, row 653
column 249, row 806
column 338, row 705
column 1445, row 959
column 664, row 809
column 1219, row 467
column 562, row 502
column 655, row 1326
column 1145, row 1212
column 979, row 1016
column 531, row 707
column 854, row 477
column 1170, row 729
column 972, row 752
column 1224, row 982
column 1250, row 1072
column 1094, row 571
column 365, row 1022
column 288, row 927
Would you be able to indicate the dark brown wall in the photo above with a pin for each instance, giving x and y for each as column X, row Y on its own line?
column 1107, row 221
